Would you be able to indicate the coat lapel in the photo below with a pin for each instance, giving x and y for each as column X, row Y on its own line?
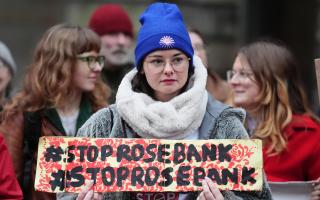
column 85, row 112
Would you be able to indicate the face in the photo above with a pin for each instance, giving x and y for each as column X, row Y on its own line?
column 5, row 77
column 198, row 47
column 87, row 71
column 166, row 72
column 243, row 84
column 117, row 49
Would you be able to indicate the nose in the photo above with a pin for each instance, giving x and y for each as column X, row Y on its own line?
column 97, row 67
column 122, row 38
column 168, row 70
column 234, row 80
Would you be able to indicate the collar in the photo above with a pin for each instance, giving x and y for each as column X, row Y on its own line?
column 213, row 110
column 85, row 112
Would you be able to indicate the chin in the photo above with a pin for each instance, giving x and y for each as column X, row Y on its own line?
column 170, row 91
column 88, row 89
column 239, row 103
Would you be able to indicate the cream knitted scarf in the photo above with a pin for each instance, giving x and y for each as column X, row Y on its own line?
column 174, row 119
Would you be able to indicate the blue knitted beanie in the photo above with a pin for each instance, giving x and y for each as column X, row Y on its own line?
column 162, row 28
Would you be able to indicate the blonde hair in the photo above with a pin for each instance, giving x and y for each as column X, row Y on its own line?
column 281, row 93
column 49, row 78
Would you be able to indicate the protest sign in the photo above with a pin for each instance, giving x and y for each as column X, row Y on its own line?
column 292, row 190
column 148, row 165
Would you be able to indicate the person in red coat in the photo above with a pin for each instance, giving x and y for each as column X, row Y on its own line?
column 9, row 186
column 300, row 159
column 265, row 82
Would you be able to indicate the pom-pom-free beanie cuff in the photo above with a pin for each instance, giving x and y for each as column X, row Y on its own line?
column 161, row 41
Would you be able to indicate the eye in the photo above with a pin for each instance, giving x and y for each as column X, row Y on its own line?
column 91, row 59
column 177, row 60
column 242, row 73
column 157, row 62
column 100, row 59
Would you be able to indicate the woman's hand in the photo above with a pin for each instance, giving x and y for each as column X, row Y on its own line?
column 88, row 194
column 210, row 192
column 315, row 194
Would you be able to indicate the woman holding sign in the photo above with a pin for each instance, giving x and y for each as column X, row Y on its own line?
column 164, row 97
column 265, row 82
column 62, row 89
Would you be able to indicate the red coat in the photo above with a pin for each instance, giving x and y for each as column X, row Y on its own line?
column 9, row 186
column 301, row 160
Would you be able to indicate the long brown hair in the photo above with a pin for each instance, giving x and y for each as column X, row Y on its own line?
column 49, row 78
column 281, row 93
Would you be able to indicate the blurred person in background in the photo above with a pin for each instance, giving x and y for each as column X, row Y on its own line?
column 216, row 86
column 7, row 70
column 114, row 26
column 266, row 83
column 62, row 89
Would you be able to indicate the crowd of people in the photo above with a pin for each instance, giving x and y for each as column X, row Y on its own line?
column 92, row 82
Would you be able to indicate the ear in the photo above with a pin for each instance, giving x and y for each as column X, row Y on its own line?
column 142, row 71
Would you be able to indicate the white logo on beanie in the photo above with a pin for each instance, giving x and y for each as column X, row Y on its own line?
column 166, row 42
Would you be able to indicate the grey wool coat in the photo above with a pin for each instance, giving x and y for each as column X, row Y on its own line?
column 219, row 122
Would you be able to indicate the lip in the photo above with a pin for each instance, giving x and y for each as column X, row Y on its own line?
column 168, row 81
column 93, row 77
column 239, row 91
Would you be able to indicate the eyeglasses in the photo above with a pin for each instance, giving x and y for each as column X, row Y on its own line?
column 92, row 60
column 177, row 63
column 242, row 75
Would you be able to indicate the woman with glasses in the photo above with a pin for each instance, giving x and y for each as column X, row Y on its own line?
column 62, row 89
column 165, row 97
column 266, row 84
